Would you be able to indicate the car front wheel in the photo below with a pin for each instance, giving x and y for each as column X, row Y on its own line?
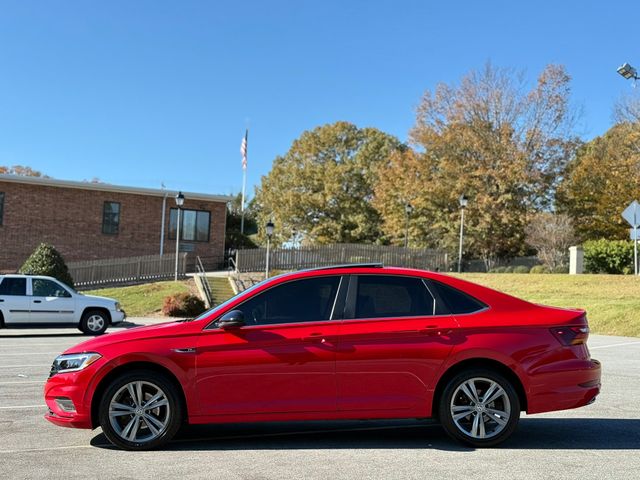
column 140, row 411
column 94, row 322
column 480, row 408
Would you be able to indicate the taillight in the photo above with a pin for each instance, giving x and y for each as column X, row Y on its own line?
column 571, row 335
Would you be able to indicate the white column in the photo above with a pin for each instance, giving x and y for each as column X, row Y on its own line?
column 576, row 260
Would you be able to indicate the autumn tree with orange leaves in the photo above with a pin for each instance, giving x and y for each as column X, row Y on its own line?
column 490, row 138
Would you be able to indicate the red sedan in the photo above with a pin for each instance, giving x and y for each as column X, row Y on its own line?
column 348, row 342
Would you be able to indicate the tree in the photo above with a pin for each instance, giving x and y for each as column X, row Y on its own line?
column 46, row 260
column 601, row 181
column 321, row 190
column 551, row 235
column 489, row 139
column 233, row 238
column 21, row 170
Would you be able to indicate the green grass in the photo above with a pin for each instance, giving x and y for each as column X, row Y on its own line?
column 612, row 302
column 143, row 300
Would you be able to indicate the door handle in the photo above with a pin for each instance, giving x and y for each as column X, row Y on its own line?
column 315, row 337
column 435, row 330
column 1, row 299
column 37, row 301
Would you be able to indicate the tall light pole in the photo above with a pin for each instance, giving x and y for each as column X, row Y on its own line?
column 179, row 203
column 463, row 204
column 408, row 209
column 269, row 228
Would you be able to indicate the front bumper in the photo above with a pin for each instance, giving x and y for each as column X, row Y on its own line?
column 72, row 386
column 565, row 385
column 117, row 316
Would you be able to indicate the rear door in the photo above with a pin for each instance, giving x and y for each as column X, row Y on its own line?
column 394, row 337
column 50, row 302
column 14, row 302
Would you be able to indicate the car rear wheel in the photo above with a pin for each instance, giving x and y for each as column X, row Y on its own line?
column 94, row 322
column 140, row 411
column 480, row 408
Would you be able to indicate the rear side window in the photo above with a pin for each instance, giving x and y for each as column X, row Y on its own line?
column 456, row 300
column 13, row 286
column 392, row 296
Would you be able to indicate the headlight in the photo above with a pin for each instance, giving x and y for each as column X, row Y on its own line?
column 117, row 306
column 73, row 362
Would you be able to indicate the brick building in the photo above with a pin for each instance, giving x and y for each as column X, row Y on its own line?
column 87, row 221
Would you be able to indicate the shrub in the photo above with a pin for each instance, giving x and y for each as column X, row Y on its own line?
column 182, row 305
column 540, row 269
column 46, row 260
column 560, row 269
column 521, row 269
column 508, row 269
column 608, row 256
column 498, row 270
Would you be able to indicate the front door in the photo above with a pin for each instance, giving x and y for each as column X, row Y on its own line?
column 393, row 340
column 281, row 361
column 51, row 303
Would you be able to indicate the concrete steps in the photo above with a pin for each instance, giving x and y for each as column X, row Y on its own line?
column 220, row 289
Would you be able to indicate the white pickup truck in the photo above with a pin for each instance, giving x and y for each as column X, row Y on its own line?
column 38, row 300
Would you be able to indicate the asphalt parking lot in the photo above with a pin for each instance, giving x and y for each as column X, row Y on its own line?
column 598, row 441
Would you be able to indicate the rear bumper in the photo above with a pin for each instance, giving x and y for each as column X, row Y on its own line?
column 564, row 385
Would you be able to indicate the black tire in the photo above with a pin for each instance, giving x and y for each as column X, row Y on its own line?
column 90, row 325
column 492, row 428
column 173, row 410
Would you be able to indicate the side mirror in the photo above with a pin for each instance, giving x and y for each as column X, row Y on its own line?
column 232, row 319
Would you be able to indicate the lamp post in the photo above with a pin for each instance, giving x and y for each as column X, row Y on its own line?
column 463, row 204
column 269, row 228
column 628, row 72
column 179, row 203
column 408, row 209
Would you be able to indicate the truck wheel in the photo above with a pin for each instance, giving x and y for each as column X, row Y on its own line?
column 94, row 322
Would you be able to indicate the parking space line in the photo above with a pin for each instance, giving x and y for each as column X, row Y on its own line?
column 614, row 345
column 23, row 353
column 18, row 407
column 49, row 449
column 23, row 383
column 13, row 345
column 25, row 366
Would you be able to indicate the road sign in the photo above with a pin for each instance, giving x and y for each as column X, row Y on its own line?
column 634, row 234
column 632, row 214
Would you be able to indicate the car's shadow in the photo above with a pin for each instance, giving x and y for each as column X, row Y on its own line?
column 532, row 433
column 27, row 331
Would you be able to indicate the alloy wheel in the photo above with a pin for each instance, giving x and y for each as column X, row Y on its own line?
column 480, row 408
column 139, row 412
column 95, row 323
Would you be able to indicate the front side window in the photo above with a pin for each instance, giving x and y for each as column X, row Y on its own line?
column 393, row 296
column 306, row 300
column 194, row 225
column 1, row 207
column 46, row 288
column 13, row 286
column 111, row 218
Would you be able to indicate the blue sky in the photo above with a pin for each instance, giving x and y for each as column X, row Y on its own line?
column 140, row 92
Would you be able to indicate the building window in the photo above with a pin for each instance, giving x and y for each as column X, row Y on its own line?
column 1, row 206
column 194, row 225
column 111, row 218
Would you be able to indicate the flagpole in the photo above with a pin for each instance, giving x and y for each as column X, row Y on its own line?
column 243, row 149
column 244, row 184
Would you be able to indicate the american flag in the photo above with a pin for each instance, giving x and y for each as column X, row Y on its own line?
column 243, row 150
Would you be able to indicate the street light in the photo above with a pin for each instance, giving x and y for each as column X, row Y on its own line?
column 463, row 204
column 269, row 228
column 628, row 72
column 179, row 203
column 408, row 209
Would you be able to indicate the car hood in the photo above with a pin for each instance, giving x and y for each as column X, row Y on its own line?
column 99, row 298
column 130, row 334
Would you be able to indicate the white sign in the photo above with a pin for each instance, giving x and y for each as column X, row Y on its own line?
column 632, row 214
